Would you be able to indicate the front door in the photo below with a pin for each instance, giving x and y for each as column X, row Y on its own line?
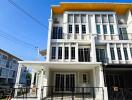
column 64, row 82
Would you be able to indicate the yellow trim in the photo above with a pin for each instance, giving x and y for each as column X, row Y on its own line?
column 118, row 8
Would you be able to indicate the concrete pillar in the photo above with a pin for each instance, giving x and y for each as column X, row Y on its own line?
column 108, row 53
column 93, row 48
column 32, row 80
column 63, row 52
column 18, row 78
column 76, row 52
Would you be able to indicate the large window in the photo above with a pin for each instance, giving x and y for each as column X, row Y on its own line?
column 125, row 53
column 101, row 55
column 123, row 34
column 98, row 29
column 83, row 18
column 77, row 18
column 111, row 18
column 119, row 53
column 66, row 52
column 70, row 18
column 72, row 52
column 83, row 29
column 105, row 29
column 76, row 28
column 57, row 33
column 97, row 19
column 104, row 19
column 112, row 53
column 84, row 54
column 111, row 29
column 59, row 52
column 70, row 28
column 53, row 53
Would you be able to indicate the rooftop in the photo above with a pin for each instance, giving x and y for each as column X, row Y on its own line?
column 119, row 8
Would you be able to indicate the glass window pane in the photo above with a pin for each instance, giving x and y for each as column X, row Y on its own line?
column 66, row 52
column 111, row 18
column 83, row 29
column 119, row 54
column 105, row 29
column 76, row 28
column 59, row 52
column 70, row 18
column 77, row 18
column 70, row 28
column 72, row 52
column 111, row 29
column 104, row 19
column 125, row 53
column 97, row 19
column 83, row 18
column 112, row 53
column 53, row 53
column 98, row 29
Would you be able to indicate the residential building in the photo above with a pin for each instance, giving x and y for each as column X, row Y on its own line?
column 89, row 45
column 8, row 68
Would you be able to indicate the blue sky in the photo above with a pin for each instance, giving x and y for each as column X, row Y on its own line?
column 17, row 24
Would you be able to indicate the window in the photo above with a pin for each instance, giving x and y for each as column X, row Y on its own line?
column 131, row 51
column 84, row 54
column 84, row 78
column 70, row 18
column 98, row 29
column 123, row 34
column 72, row 52
column 59, row 52
column 77, row 18
column 83, row 29
column 66, row 52
column 97, row 19
column 53, row 53
column 111, row 18
column 83, row 18
column 0, row 71
column 112, row 53
column 101, row 55
column 70, row 28
column 104, row 19
column 125, row 53
column 57, row 33
column 119, row 53
column 111, row 29
column 76, row 28
column 105, row 29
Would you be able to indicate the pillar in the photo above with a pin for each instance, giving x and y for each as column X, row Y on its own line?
column 108, row 53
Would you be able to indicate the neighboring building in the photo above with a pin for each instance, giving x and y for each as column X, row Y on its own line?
column 89, row 45
column 8, row 68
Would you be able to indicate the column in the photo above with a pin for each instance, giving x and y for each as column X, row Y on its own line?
column 93, row 48
column 108, row 53
column 73, row 28
column 32, row 80
column 76, row 52
column 40, row 85
column 63, row 51
column 49, row 41
column 129, row 53
column 18, row 78
column 122, row 54
column 65, row 25
column 116, row 55
column 115, row 27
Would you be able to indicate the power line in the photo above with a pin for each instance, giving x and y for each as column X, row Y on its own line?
column 15, row 40
column 28, row 14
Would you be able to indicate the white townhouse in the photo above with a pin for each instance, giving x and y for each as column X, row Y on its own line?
column 89, row 53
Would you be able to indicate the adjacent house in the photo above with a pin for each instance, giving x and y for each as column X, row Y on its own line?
column 89, row 52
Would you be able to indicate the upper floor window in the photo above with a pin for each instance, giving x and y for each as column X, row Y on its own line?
column 104, row 19
column 101, row 55
column 111, row 18
column 131, row 51
column 70, row 18
column 53, row 56
column 97, row 19
column 105, row 29
column 111, row 29
column 112, row 53
column 59, row 52
column 66, row 52
column 125, row 53
column 123, row 34
column 83, row 29
column 57, row 33
column 77, row 18
column 83, row 18
column 76, row 28
column 70, row 29
column 98, row 29
column 119, row 53
column 72, row 52
column 84, row 54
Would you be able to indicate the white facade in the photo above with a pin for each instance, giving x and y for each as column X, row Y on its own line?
column 79, row 44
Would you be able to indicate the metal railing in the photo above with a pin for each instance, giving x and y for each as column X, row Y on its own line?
column 23, row 92
column 72, row 93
